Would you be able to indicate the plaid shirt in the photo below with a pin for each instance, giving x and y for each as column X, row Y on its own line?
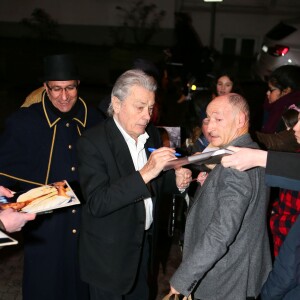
column 284, row 214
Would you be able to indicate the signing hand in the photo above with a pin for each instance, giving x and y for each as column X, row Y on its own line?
column 156, row 163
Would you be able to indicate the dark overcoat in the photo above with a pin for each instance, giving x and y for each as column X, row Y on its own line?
column 38, row 147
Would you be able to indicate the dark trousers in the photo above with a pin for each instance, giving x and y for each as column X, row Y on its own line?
column 140, row 290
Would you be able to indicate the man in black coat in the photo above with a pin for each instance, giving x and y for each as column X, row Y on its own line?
column 121, row 183
column 37, row 147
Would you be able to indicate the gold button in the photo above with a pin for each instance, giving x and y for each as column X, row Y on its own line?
column 73, row 211
column 70, row 146
column 73, row 169
column 67, row 125
column 74, row 231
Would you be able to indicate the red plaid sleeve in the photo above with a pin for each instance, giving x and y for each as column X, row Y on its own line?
column 285, row 215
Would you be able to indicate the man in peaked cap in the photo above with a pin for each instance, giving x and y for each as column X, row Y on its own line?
column 38, row 147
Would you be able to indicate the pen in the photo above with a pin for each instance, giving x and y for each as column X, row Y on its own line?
column 152, row 149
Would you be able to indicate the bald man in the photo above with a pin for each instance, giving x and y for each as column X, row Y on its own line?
column 226, row 251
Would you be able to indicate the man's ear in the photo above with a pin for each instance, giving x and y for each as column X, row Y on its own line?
column 241, row 120
column 116, row 103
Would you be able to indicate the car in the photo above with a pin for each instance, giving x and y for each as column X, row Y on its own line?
column 281, row 46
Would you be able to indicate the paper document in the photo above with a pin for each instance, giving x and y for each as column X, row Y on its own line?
column 42, row 199
column 204, row 158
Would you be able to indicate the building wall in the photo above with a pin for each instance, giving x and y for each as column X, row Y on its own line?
column 88, row 12
column 91, row 21
column 233, row 25
column 239, row 20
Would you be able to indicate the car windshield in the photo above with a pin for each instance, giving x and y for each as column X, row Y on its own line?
column 280, row 31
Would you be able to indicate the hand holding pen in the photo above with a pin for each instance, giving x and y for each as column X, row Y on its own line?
column 156, row 162
column 153, row 149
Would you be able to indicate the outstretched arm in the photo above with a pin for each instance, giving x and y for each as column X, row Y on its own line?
column 282, row 168
column 245, row 158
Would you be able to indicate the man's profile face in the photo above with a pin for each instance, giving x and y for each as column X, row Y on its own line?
column 62, row 94
column 223, row 124
column 134, row 113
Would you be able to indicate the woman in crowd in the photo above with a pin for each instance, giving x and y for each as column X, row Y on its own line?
column 286, row 209
column 284, row 90
column 284, row 140
column 224, row 84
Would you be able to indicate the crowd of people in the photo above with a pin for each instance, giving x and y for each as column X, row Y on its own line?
column 106, row 248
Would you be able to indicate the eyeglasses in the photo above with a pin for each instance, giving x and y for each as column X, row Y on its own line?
column 58, row 89
column 296, row 108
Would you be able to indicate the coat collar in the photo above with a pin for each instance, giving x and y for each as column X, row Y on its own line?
column 53, row 119
column 242, row 141
column 120, row 149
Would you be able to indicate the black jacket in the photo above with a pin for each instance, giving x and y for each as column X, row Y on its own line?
column 113, row 219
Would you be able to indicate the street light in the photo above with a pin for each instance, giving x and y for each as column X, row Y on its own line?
column 212, row 21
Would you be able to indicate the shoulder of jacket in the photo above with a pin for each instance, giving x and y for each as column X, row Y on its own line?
column 25, row 113
column 97, row 129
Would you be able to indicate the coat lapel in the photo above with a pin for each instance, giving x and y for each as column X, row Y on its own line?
column 119, row 148
column 121, row 152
